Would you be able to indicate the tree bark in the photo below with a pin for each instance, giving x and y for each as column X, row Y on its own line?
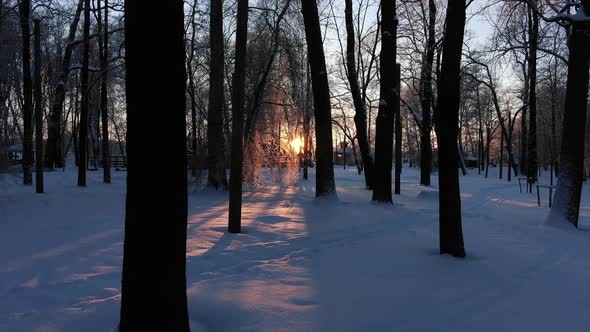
column 54, row 156
column 398, row 132
column 451, row 233
column 215, row 140
column 85, row 102
column 104, row 54
column 38, row 108
column 426, row 98
column 25, row 12
column 532, row 162
column 154, row 259
column 237, row 152
column 388, row 95
column 360, row 117
column 571, row 162
column 325, row 185
column 522, row 163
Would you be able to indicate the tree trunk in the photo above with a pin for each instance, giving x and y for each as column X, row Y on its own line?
column 451, row 233
column 307, row 124
column 360, row 116
column 54, row 156
column 388, row 96
column 500, row 161
column 25, row 11
column 237, row 152
column 104, row 54
column 85, row 102
column 426, row 98
column 325, row 185
column 215, row 139
column 398, row 132
column 532, row 162
column 553, row 128
column 154, row 276
column 571, row 170
column 194, row 144
column 38, row 108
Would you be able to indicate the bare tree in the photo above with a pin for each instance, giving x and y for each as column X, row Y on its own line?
column 387, row 111
column 215, row 140
column 237, row 152
column 27, row 107
column 38, row 106
column 360, row 117
column 85, row 102
column 451, row 233
column 532, row 162
column 569, row 184
column 54, row 156
column 325, row 184
column 427, row 97
column 103, row 45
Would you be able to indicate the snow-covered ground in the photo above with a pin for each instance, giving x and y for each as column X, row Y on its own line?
column 302, row 264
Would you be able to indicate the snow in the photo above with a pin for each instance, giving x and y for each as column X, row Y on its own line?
column 302, row 264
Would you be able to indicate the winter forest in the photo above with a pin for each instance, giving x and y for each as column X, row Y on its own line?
column 294, row 165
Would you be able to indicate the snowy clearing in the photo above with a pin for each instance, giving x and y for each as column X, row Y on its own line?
column 302, row 264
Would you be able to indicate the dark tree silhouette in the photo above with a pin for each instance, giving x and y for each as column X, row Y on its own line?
column 532, row 162
column 38, row 107
column 54, row 155
column 237, row 152
column 84, row 102
column 103, row 43
column 215, row 140
column 360, row 116
column 451, row 233
column 398, row 131
column 321, row 98
column 426, row 97
column 388, row 95
column 571, row 159
column 25, row 13
column 154, row 261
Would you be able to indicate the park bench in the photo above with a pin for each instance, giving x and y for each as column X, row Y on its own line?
column 539, row 194
column 118, row 162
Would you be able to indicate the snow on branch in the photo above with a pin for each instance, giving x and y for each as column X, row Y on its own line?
column 563, row 14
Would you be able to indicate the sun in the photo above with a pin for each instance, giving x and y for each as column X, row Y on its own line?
column 297, row 144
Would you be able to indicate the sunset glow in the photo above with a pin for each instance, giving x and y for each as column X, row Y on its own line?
column 297, row 144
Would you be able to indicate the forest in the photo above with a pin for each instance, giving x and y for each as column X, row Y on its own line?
column 294, row 165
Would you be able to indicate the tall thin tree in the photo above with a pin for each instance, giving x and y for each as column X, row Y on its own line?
column 38, row 106
column 25, row 19
column 237, row 151
column 103, row 42
column 398, row 132
column 388, row 95
column 360, row 116
column 325, row 185
column 215, row 141
column 426, row 97
column 54, row 156
column 154, row 254
column 451, row 232
column 532, row 163
column 85, row 101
